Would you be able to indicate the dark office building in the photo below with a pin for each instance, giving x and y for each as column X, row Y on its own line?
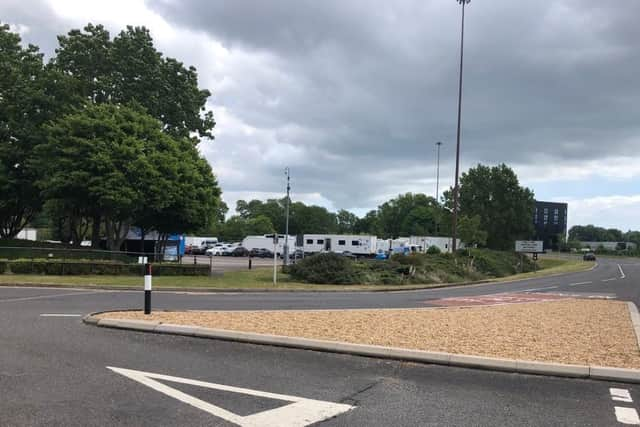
column 550, row 222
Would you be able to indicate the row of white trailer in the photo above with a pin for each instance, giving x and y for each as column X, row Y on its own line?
column 360, row 245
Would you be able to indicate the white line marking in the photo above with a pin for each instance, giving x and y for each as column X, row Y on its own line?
column 538, row 289
column 51, row 296
column 59, row 315
column 620, row 395
column 622, row 276
column 580, row 283
column 301, row 412
column 627, row 416
column 610, row 280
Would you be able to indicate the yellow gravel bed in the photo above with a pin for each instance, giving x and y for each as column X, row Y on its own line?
column 584, row 332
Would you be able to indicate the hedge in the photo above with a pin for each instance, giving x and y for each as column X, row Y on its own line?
column 59, row 268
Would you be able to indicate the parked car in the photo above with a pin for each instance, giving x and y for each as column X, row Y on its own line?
column 589, row 256
column 261, row 253
column 228, row 250
column 216, row 250
column 239, row 251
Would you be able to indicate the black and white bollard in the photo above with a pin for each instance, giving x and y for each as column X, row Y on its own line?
column 147, row 288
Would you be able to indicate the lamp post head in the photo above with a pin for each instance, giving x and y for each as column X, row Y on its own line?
column 463, row 2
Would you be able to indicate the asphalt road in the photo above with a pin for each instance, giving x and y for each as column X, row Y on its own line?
column 54, row 370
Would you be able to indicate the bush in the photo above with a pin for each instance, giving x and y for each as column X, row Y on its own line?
column 59, row 268
column 500, row 264
column 3, row 267
column 325, row 268
column 433, row 250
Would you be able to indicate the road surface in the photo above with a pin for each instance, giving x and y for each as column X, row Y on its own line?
column 55, row 371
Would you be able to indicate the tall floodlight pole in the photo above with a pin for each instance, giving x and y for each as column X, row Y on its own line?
column 286, row 227
column 454, row 220
column 438, row 144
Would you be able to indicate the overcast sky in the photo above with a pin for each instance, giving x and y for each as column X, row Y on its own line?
column 352, row 94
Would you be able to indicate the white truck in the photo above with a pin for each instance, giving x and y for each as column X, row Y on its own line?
column 264, row 242
column 359, row 245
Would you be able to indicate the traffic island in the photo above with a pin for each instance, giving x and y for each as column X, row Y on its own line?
column 570, row 337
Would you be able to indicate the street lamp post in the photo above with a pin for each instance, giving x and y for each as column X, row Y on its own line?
column 286, row 227
column 454, row 220
column 438, row 144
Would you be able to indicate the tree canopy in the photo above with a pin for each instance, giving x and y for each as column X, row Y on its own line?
column 102, row 137
column 129, row 68
column 115, row 160
column 30, row 95
column 504, row 207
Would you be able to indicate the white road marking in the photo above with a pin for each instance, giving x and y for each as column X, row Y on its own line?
column 620, row 395
column 609, row 280
column 627, row 415
column 51, row 296
column 538, row 289
column 580, row 283
column 301, row 412
column 622, row 276
column 59, row 315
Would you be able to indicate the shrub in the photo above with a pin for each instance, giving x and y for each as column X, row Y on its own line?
column 325, row 268
column 500, row 264
column 3, row 267
column 433, row 250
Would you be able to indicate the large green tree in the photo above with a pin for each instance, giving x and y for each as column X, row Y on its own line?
column 505, row 208
column 236, row 228
column 116, row 160
column 346, row 221
column 30, row 95
column 129, row 68
column 409, row 214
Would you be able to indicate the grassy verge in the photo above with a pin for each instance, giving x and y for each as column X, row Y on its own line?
column 551, row 266
column 255, row 279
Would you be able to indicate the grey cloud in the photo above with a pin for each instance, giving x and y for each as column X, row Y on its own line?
column 362, row 90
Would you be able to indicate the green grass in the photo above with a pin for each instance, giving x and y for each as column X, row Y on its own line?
column 256, row 279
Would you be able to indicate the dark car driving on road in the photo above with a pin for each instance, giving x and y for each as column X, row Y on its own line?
column 589, row 256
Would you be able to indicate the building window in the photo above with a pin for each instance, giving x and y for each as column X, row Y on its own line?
column 320, row 242
column 355, row 243
column 341, row 242
column 309, row 241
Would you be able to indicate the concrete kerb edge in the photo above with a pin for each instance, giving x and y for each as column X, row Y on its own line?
column 419, row 356
column 635, row 320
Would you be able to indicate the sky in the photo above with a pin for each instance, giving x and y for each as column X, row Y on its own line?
column 352, row 95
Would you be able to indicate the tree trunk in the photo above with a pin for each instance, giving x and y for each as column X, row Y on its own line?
column 95, row 230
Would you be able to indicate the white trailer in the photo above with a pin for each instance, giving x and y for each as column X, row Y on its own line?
column 264, row 242
column 442, row 243
column 338, row 243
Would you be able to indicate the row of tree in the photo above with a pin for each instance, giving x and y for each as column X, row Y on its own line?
column 101, row 137
column 494, row 211
column 592, row 233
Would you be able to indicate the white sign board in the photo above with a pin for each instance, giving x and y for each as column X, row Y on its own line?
column 529, row 246
column 142, row 260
